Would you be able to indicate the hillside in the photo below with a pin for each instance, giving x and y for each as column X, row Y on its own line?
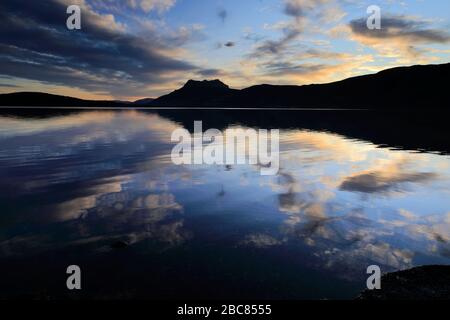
column 416, row 87
column 404, row 87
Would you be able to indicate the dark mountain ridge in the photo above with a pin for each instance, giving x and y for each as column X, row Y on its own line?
column 403, row 87
column 197, row 94
column 422, row 86
column 143, row 102
column 40, row 99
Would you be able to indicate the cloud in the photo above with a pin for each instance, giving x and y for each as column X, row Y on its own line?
column 412, row 30
column 294, row 70
column 102, row 57
column 277, row 47
column 280, row 68
column 149, row 5
column 373, row 182
column 399, row 35
column 222, row 13
column 8, row 85
column 381, row 253
column 300, row 8
column 393, row 176
column 228, row 44
column 291, row 30
column 280, row 57
column 211, row 73
column 260, row 240
column 325, row 11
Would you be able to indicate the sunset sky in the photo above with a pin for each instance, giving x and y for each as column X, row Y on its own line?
column 131, row 49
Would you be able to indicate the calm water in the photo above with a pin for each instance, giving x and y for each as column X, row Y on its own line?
column 75, row 183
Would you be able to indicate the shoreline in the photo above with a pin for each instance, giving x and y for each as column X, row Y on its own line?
column 419, row 283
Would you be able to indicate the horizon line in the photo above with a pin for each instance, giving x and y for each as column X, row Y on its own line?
column 261, row 84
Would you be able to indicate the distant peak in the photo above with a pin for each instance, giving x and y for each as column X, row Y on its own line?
column 206, row 84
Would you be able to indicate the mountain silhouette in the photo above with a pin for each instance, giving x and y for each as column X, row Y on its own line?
column 39, row 99
column 197, row 94
column 403, row 87
column 418, row 87
column 143, row 102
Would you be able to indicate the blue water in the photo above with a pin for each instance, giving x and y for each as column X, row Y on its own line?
column 74, row 184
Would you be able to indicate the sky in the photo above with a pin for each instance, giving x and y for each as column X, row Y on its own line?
column 131, row 49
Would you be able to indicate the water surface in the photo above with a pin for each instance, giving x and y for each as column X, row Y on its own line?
column 74, row 184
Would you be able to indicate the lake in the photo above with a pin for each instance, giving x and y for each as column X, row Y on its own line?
column 98, row 189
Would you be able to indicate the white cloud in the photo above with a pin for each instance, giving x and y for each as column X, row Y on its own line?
column 149, row 5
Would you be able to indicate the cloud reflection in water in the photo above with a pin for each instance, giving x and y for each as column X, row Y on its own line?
column 92, row 178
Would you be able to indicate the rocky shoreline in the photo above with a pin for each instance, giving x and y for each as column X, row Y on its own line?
column 421, row 283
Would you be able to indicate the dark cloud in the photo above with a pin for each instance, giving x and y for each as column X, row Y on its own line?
column 321, row 54
column 222, row 13
column 35, row 44
column 285, row 67
column 294, row 9
column 250, row 36
column 300, row 13
column 375, row 182
column 228, row 44
column 276, row 47
column 291, row 31
column 302, row 8
column 280, row 67
column 400, row 27
column 8, row 85
column 210, row 73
